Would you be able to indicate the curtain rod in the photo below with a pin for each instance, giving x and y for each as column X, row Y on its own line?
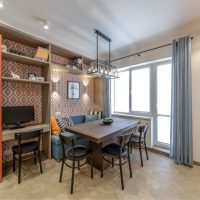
column 138, row 53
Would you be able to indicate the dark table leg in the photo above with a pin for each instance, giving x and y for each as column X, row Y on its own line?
column 97, row 156
column 97, row 159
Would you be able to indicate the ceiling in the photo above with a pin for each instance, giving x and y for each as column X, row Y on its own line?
column 72, row 22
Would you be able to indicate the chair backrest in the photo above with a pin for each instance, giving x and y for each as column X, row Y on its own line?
column 125, row 139
column 67, row 141
column 28, row 136
column 143, row 130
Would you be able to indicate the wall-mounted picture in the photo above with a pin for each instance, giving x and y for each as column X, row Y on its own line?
column 73, row 90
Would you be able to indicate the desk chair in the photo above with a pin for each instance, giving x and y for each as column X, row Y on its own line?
column 24, row 147
column 118, row 151
column 74, row 152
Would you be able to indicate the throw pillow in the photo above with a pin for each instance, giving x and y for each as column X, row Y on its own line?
column 89, row 118
column 55, row 128
column 98, row 113
column 64, row 122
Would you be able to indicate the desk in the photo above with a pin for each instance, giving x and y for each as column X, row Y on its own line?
column 9, row 134
column 101, row 135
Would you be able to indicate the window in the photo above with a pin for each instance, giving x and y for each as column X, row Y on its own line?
column 163, row 105
column 121, row 92
column 145, row 90
column 140, row 90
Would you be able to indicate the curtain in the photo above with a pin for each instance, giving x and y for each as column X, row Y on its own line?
column 181, row 121
column 107, row 98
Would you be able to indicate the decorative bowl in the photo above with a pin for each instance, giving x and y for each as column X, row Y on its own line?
column 107, row 121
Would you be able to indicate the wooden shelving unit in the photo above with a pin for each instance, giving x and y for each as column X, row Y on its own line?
column 32, row 42
column 23, row 59
column 8, row 79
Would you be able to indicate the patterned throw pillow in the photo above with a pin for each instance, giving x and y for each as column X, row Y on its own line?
column 64, row 122
column 98, row 113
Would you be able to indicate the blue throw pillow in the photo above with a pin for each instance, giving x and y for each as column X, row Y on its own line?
column 89, row 118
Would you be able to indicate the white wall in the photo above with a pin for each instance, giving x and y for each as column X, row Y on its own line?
column 192, row 29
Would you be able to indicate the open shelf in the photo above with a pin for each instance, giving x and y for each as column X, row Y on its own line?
column 8, row 79
column 23, row 59
column 70, row 70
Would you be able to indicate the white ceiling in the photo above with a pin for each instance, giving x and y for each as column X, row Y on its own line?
column 72, row 21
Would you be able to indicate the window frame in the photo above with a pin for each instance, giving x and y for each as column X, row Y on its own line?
column 153, row 96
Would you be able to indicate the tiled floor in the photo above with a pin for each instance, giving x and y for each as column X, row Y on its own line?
column 159, row 179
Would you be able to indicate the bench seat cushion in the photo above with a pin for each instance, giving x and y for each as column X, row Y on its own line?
column 56, row 139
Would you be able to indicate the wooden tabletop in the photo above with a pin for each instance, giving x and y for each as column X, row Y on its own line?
column 97, row 132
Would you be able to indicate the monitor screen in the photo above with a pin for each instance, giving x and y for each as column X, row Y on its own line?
column 17, row 115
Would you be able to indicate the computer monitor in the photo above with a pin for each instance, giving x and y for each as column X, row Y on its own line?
column 16, row 115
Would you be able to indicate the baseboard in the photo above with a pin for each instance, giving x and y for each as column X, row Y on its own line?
column 164, row 153
column 196, row 163
column 159, row 151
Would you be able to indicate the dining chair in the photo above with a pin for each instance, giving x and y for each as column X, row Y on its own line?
column 73, row 151
column 24, row 147
column 139, row 141
column 118, row 151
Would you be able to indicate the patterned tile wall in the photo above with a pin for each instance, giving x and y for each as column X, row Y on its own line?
column 18, row 94
column 70, row 107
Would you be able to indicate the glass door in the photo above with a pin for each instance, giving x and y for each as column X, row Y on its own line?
column 163, row 111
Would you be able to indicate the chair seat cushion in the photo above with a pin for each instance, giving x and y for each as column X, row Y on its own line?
column 79, row 151
column 114, row 150
column 26, row 147
column 135, row 139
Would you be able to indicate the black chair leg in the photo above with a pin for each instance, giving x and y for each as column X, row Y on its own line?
column 13, row 162
column 78, row 165
column 129, row 164
column 146, row 150
column 102, row 167
column 112, row 162
column 61, row 170
column 19, row 173
column 91, row 167
column 39, row 158
column 35, row 161
column 140, row 149
column 72, row 181
column 121, row 173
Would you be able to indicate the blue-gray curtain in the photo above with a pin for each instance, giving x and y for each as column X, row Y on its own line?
column 181, row 121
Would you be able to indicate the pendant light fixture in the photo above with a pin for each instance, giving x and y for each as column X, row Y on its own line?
column 100, row 68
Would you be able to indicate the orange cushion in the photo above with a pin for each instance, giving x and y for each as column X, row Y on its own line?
column 55, row 128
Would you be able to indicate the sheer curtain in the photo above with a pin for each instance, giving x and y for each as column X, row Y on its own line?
column 181, row 121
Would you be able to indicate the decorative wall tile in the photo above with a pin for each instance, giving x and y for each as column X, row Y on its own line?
column 29, row 51
column 71, row 107
column 60, row 60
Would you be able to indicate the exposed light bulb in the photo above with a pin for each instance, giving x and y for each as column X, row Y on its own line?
column 1, row 4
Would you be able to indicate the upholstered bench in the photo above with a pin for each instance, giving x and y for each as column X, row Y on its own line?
column 55, row 139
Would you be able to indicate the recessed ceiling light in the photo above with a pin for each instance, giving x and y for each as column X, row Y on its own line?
column 1, row 4
column 46, row 25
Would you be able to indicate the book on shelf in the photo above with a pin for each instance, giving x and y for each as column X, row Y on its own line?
column 42, row 54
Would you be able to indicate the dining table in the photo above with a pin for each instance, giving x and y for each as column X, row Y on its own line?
column 100, row 134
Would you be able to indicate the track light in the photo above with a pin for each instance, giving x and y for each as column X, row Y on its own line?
column 1, row 4
column 46, row 25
